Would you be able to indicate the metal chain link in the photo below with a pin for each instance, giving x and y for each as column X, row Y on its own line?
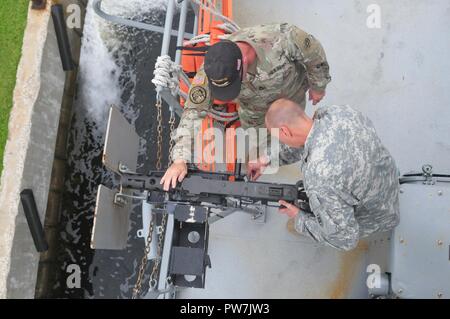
column 159, row 130
column 172, row 129
column 155, row 270
column 138, row 286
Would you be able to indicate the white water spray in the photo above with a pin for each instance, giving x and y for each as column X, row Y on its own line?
column 99, row 70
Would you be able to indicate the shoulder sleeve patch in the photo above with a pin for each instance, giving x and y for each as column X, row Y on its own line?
column 198, row 94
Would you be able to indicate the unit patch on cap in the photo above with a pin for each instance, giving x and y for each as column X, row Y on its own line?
column 198, row 95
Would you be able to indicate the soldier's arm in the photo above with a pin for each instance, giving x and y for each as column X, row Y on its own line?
column 183, row 136
column 199, row 99
column 332, row 222
column 288, row 155
column 307, row 50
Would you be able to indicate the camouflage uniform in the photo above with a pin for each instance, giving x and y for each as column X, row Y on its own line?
column 289, row 62
column 350, row 178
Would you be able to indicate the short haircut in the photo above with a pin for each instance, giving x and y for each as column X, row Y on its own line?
column 283, row 112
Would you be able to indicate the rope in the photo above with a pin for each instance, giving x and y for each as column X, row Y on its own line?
column 201, row 38
column 212, row 9
column 205, row 38
column 166, row 74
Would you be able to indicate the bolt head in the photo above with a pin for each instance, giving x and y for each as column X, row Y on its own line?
column 440, row 193
column 440, row 295
column 400, row 291
column 440, row 242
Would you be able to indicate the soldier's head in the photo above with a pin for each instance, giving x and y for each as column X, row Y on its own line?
column 225, row 66
column 291, row 121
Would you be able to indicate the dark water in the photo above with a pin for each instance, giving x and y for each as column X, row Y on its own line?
column 109, row 274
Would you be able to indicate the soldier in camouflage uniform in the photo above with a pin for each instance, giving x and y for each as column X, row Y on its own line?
column 254, row 66
column 350, row 178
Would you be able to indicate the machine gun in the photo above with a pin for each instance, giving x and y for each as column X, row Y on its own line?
column 215, row 190
column 199, row 200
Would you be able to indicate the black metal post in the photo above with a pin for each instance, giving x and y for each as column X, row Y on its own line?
column 33, row 219
column 38, row 4
column 63, row 39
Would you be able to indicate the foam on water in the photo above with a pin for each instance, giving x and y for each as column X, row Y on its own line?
column 100, row 65
column 132, row 7
column 116, row 66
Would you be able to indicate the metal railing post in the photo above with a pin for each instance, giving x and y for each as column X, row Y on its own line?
column 168, row 28
column 181, row 29
column 97, row 5
column 38, row 4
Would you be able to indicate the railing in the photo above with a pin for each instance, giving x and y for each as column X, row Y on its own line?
column 97, row 5
column 167, row 32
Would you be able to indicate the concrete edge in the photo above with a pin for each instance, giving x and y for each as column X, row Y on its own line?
column 30, row 149
column 25, row 95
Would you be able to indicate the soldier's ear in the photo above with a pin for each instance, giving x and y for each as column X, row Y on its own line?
column 285, row 131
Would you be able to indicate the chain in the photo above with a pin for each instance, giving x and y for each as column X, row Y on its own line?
column 153, row 277
column 138, row 287
column 172, row 129
column 159, row 129
column 155, row 270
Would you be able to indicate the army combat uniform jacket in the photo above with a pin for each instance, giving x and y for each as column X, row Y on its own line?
column 350, row 178
column 289, row 62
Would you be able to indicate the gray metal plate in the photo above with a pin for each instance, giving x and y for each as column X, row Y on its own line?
column 121, row 144
column 421, row 243
column 111, row 221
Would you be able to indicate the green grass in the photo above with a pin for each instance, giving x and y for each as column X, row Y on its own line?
column 13, row 16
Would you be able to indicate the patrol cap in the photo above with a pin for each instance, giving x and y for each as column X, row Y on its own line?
column 224, row 68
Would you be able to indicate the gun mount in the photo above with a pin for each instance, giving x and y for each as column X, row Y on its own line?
column 199, row 200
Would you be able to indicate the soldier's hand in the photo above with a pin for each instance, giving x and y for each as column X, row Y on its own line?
column 316, row 96
column 288, row 209
column 175, row 173
column 255, row 168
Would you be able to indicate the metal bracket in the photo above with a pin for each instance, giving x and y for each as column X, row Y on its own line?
column 120, row 200
column 125, row 170
column 260, row 214
column 428, row 174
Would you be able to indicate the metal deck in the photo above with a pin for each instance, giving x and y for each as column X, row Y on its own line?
column 398, row 76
